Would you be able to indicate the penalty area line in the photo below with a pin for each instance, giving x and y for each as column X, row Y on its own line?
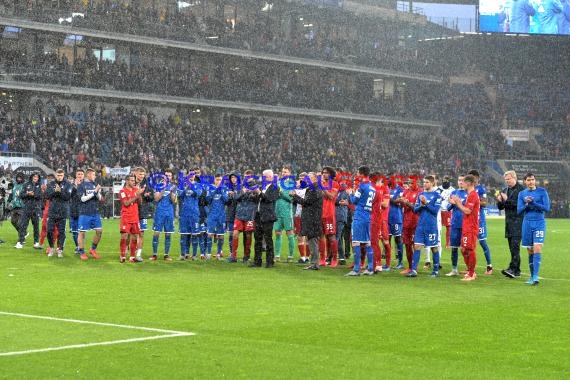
column 79, row 321
column 84, row 345
column 164, row 334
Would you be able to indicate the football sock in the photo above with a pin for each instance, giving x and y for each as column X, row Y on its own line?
column 154, row 245
column 195, row 242
column 388, row 253
column 93, row 246
column 123, row 247
column 322, row 249
column 409, row 254
column 208, row 245
column 436, row 261
column 167, row 239
column 278, row 245
column 400, row 252
column 454, row 257
column 486, row 251
column 301, row 248
column 133, row 246
column 183, row 245
column 334, row 249
column 356, row 260
column 75, row 237
column 202, row 244
column 427, row 253
column 536, row 259
column 416, row 259
column 291, row 241
column 370, row 258
column 472, row 261
column 220, row 244
column 531, row 264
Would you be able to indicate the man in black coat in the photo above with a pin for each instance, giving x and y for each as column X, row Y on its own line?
column 507, row 200
column 31, row 198
column 59, row 193
column 311, row 215
column 265, row 195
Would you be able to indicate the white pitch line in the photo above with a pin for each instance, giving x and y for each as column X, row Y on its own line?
column 184, row 333
column 14, row 353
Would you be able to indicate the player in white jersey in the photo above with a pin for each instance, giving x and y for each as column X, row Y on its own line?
column 446, row 189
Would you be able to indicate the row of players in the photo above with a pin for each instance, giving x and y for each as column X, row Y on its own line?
column 391, row 212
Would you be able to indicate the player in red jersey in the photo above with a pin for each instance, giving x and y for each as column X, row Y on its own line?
column 380, row 206
column 129, row 197
column 408, row 200
column 328, row 239
column 470, row 226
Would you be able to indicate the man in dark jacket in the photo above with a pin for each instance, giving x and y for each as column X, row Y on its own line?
column 59, row 193
column 311, row 215
column 31, row 197
column 15, row 205
column 265, row 196
column 507, row 200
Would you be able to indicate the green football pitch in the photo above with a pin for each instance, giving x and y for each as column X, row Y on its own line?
column 64, row 318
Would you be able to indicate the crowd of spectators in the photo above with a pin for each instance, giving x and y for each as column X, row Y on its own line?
column 286, row 28
column 210, row 76
column 98, row 137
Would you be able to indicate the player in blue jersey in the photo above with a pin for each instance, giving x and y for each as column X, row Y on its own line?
column 189, row 217
column 395, row 224
column 89, row 217
column 533, row 203
column 428, row 205
column 216, row 199
column 482, row 192
column 455, row 226
column 165, row 200
column 362, row 199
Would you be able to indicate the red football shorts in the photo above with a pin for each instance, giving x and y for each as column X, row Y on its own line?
column 469, row 240
column 329, row 226
column 130, row 228
column 297, row 225
column 408, row 235
column 244, row 225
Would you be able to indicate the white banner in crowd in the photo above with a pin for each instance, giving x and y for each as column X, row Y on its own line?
column 121, row 172
column 16, row 162
column 516, row 134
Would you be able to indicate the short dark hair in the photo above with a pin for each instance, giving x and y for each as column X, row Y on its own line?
column 59, row 171
column 527, row 175
column 364, row 170
column 474, row 173
column 430, row 178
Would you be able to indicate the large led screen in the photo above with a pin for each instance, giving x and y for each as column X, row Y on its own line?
column 525, row 16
